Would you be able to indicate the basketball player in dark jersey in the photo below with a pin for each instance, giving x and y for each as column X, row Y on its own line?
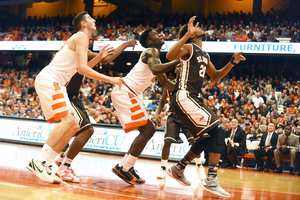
column 190, row 109
column 86, row 129
column 172, row 130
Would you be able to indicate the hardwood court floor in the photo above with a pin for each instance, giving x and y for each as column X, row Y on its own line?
column 98, row 182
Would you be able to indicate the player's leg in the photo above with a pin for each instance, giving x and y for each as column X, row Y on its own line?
column 172, row 131
column 127, row 172
column 82, row 136
column 211, row 183
column 64, row 170
column 68, row 126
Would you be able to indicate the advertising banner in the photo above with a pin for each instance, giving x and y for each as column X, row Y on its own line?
column 210, row 47
column 105, row 139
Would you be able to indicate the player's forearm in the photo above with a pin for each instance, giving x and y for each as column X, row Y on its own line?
column 94, row 61
column 90, row 73
column 162, row 102
column 116, row 53
column 221, row 73
column 162, row 68
column 175, row 49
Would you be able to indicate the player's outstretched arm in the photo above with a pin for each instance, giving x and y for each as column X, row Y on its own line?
column 165, row 82
column 81, row 45
column 104, row 52
column 217, row 75
column 180, row 49
column 119, row 50
column 154, row 63
column 161, row 105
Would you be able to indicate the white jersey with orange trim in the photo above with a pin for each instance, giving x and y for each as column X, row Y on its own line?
column 63, row 66
column 140, row 77
column 50, row 85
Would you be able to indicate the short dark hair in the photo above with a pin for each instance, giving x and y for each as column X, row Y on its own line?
column 183, row 30
column 144, row 37
column 77, row 19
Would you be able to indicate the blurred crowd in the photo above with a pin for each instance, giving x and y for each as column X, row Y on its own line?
column 237, row 26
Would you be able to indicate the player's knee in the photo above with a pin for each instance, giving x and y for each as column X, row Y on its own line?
column 167, row 143
column 69, row 120
column 200, row 146
column 217, row 136
column 89, row 132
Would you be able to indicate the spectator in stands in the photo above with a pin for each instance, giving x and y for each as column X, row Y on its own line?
column 279, row 129
column 281, row 118
column 257, row 99
column 152, row 105
column 235, row 145
column 266, row 147
column 262, row 130
column 252, row 134
column 287, row 145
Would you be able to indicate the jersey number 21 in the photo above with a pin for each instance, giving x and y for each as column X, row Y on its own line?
column 203, row 62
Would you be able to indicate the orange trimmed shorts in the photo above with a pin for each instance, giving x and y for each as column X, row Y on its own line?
column 54, row 100
column 130, row 108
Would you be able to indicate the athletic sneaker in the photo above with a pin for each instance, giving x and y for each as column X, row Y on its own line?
column 38, row 168
column 214, row 187
column 116, row 169
column 58, row 162
column 178, row 175
column 201, row 172
column 130, row 177
column 162, row 173
column 55, row 176
column 68, row 176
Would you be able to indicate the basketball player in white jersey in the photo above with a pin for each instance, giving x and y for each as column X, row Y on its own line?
column 129, row 106
column 56, row 106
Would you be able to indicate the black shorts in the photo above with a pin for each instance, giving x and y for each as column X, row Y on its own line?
column 196, row 116
column 84, row 122
column 173, row 126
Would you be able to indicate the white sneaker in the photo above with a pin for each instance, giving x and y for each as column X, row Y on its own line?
column 58, row 162
column 201, row 172
column 68, row 176
column 55, row 177
column 161, row 174
column 38, row 168
column 214, row 187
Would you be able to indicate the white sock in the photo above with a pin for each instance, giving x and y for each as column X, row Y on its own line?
column 164, row 163
column 123, row 160
column 51, row 157
column 44, row 153
column 67, row 161
column 129, row 163
column 61, row 169
column 198, row 161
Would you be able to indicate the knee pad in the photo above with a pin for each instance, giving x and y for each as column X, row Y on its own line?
column 217, row 136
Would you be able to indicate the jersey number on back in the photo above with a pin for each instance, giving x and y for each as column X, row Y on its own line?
column 203, row 63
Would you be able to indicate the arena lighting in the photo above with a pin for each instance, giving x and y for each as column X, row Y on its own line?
column 128, row 63
column 112, row 63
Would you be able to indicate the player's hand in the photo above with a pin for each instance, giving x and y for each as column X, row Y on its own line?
column 131, row 43
column 238, row 57
column 116, row 81
column 191, row 28
column 157, row 118
column 105, row 51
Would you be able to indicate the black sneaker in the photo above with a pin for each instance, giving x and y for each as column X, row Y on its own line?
column 116, row 169
column 130, row 177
